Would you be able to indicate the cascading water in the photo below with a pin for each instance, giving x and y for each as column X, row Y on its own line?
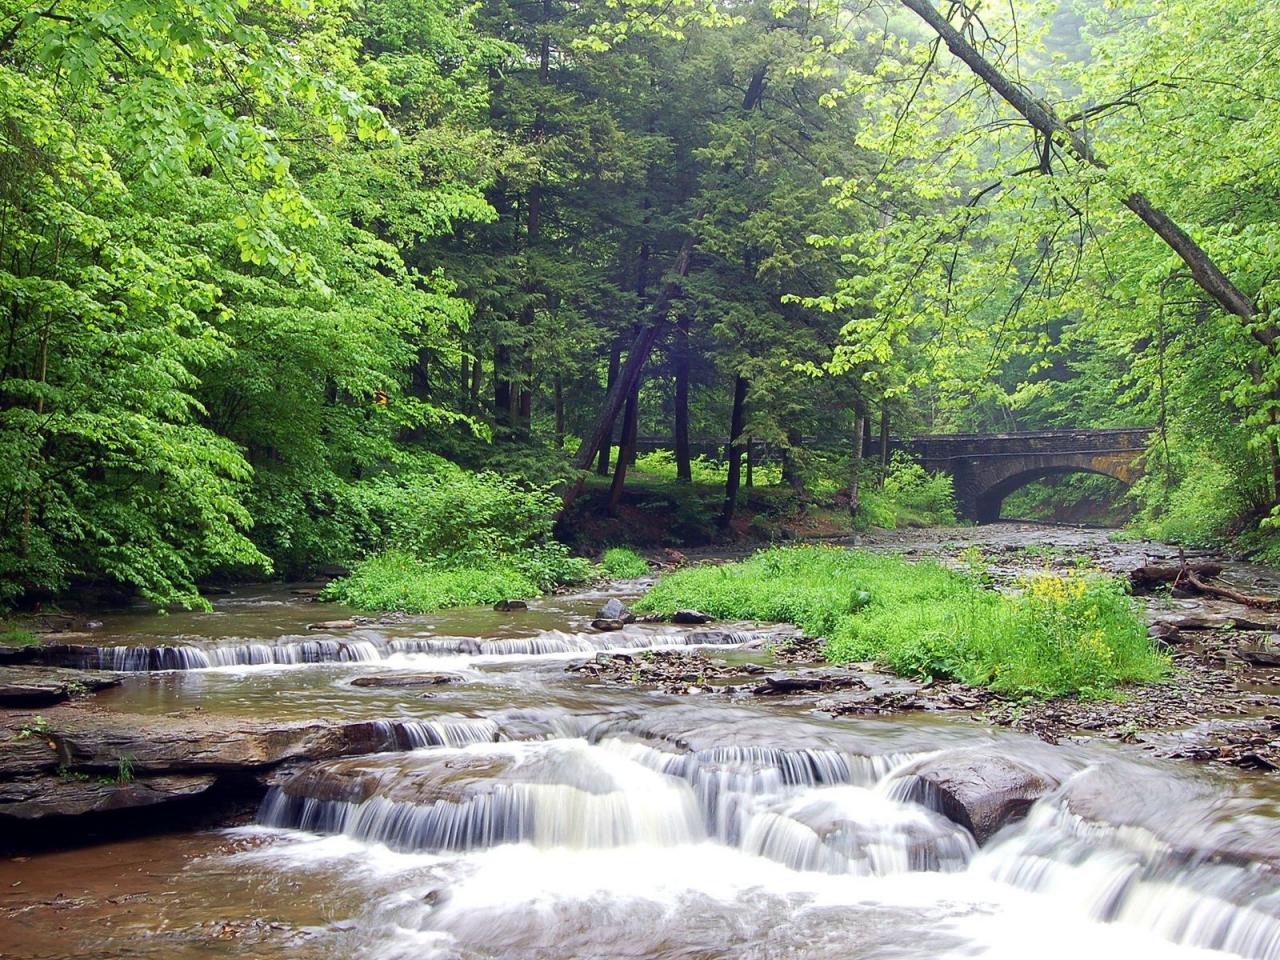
column 797, row 807
column 139, row 659
column 1129, row 875
column 524, row 813
column 808, row 810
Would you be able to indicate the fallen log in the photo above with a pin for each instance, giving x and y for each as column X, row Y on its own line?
column 1195, row 577
column 1151, row 576
column 1226, row 593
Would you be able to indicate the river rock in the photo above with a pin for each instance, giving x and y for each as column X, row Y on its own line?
column 94, row 743
column 615, row 609
column 980, row 791
column 42, row 686
column 333, row 625
column 506, row 606
column 406, row 680
column 70, row 796
column 779, row 684
column 1256, row 657
column 605, row 625
column 1186, row 814
column 691, row 617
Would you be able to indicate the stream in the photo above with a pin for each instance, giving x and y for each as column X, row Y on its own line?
column 533, row 812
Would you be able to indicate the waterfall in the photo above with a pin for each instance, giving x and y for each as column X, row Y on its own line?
column 139, row 659
column 1128, row 875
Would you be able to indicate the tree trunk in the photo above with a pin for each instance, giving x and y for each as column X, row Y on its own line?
column 524, row 404
column 855, row 474
column 884, row 440
column 791, row 475
column 1207, row 274
column 626, row 447
column 476, row 375
column 557, row 386
column 501, row 386
column 736, row 422
column 684, row 469
column 615, row 358
column 637, row 356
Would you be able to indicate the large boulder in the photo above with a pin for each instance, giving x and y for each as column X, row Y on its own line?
column 615, row 609
column 406, row 680
column 980, row 790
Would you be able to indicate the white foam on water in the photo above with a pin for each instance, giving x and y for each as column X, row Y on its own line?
column 519, row 901
column 409, row 652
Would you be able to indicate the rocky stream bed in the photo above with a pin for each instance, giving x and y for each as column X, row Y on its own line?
column 417, row 779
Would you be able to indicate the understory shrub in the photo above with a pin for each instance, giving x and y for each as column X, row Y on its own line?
column 918, row 498
column 396, row 580
column 623, row 563
column 1078, row 634
column 909, row 496
column 444, row 537
column 1196, row 503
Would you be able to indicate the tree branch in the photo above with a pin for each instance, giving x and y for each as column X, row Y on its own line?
column 1208, row 275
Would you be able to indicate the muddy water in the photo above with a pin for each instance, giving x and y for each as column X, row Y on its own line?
column 554, row 817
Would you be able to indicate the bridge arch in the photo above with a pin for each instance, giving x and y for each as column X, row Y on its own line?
column 986, row 468
column 990, row 502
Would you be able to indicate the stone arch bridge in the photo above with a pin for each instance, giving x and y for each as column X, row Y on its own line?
column 987, row 467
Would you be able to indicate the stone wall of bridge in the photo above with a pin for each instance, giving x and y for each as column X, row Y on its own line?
column 986, row 468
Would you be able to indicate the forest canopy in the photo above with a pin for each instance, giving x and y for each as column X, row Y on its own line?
column 275, row 275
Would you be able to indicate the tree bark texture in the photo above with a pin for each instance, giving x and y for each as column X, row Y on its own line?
column 737, row 421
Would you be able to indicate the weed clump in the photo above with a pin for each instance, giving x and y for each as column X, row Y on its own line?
column 450, row 539
column 623, row 563
column 1077, row 634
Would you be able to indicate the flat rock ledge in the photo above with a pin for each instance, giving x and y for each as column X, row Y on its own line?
column 73, row 761
column 35, row 799
column 41, row 686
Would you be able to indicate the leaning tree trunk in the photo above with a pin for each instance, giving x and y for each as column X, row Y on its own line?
column 736, row 423
column 1207, row 274
column 615, row 358
column 629, row 375
column 626, row 450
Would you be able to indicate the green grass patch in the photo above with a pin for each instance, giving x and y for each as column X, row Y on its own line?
column 1076, row 634
column 661, row 465
column 397, row 580
column 623, row 563
column 18, row 637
